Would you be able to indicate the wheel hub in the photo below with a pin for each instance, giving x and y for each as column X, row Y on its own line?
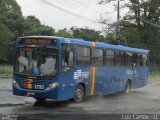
column 79, row 93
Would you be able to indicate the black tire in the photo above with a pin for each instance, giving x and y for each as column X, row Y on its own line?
column 40, row 99
column 79, row 93
column 127, row 87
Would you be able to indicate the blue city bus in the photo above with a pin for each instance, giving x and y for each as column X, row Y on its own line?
column 49, row 67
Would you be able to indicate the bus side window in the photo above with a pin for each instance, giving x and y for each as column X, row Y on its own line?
column 67, row 57
column 122, row 59
column 144, row 60
column 128, row 59
column 109, row 57
column 97, row 56
column 117, row 58
column 137, row 59
column 83, row 56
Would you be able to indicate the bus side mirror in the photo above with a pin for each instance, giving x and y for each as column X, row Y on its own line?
column 66, row 66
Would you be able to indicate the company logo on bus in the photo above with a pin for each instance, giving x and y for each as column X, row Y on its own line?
column 129, row 72
column 27, row 84
column 80, row 74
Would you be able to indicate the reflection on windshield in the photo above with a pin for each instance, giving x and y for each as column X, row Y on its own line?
column 37, row 62
column 48, row 66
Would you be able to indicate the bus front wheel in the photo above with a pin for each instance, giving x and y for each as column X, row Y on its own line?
column 79, row 93
column 127, row 87
column 40, row 99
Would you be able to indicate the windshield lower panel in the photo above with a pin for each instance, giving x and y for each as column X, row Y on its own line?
column 40, row 62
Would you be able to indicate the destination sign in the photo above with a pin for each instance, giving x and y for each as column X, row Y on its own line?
column 27, row 49
column 35, row 41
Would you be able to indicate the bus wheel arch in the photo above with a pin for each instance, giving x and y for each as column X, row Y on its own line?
column 127, row 86
column 79, row 92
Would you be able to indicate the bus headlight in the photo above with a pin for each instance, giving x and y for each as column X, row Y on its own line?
column 15, row 83
column 52, row 86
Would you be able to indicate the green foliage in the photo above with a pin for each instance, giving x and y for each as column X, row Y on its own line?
column 87, row 34
column 43, row 30
column 64, row 33
column 32, row 21
column 11, row 15
column 82, row 33
column 6, row 37
column 111, row 38
column 141, row 27
column 5, row 69
column 151, row 76
column 13, row 24
column 146, row 15
column 34, row 27
column 131, row 34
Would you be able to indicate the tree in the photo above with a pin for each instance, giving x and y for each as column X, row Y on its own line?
column 87, row 34
column 64, row 33
column 34, row 27
column 130, row 33
column 14, row 24
column 141, row 27
column 5, row 39
column 11, row 16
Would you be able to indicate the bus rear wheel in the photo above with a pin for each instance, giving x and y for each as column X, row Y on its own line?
column 127, row 87
column 79, row 93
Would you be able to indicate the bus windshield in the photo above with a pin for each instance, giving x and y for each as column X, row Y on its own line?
column 37, row 61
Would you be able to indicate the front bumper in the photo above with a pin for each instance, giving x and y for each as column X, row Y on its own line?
column 46, row 94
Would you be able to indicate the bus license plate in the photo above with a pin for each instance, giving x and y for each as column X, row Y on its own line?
column 30, row 93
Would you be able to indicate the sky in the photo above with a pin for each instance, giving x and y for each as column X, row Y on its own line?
column 61, row 14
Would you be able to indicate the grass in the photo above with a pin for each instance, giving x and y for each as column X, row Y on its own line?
column 154, row 75
column 6, row 71
column 5, row 74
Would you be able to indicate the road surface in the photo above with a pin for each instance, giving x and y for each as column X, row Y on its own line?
column 141, row 101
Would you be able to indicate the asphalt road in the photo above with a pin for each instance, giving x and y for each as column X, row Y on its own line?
column 141, row 101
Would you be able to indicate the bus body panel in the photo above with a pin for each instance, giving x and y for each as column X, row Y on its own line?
column 100, row 80
column 139, row 79
column 71, row 79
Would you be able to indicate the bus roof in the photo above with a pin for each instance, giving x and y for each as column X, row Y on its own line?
column 48, row 37
column 97, row 44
